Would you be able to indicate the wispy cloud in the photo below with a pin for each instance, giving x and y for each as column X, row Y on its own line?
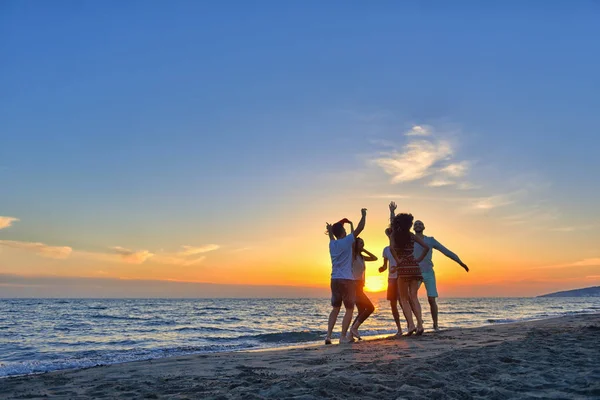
column 440, row 182
column 416, row 161
column 456, row 170
column 567, row 229
column 187, row 256
column 489, row 203
column 131, row 256
column 428, row 157
column 242, row 249
column 181, row 261
column 419, row 130
column 6, row 222
column 538, row 214
column 586, row 262
column 424, row 155
column 193, row 250
column 41, row 249
column 468, row 186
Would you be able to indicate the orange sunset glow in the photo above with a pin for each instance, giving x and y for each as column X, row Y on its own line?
column 175, row 169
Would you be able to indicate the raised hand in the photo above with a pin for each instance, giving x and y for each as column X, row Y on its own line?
column 393, row 206
column 465, row 267
column 363, row 212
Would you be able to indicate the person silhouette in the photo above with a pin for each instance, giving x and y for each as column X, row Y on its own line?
column 363, row 303
column 392, row 288
column 402, row 242
column 427, row 267
column 343, row 287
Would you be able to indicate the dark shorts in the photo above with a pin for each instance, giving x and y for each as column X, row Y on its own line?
column 343, row 290
column 392, row 290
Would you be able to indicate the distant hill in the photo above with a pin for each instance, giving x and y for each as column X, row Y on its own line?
column 593, row 291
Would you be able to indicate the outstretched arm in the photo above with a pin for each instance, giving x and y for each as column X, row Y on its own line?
column 370, row 256
column 361, row 224
column 424, row 245
column 392, row 211
column 438, row 246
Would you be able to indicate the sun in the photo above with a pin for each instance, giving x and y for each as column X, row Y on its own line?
column 375, row 283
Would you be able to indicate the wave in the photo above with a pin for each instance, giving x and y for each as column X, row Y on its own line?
column 105, row 316
column 98, row 358
column 306, row 336
column 227, row 319
column 537, row 316
column 200, row 329
column 501, row 321
column 159, row 322
column 465, row 312
column 287, row 337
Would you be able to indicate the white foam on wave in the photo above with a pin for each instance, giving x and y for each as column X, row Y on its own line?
column 38, row 367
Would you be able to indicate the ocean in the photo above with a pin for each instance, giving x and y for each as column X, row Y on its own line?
column 40, row 335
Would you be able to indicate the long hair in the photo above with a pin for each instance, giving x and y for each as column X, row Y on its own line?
column 355, row 251
column 401, row 225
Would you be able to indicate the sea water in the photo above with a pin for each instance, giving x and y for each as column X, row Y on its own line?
column 40, row 335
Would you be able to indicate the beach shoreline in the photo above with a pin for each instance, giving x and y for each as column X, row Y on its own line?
column 549, row 358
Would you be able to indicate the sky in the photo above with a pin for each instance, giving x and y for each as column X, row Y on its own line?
column 150, row 144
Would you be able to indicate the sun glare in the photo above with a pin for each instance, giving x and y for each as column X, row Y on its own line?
column 375, row 283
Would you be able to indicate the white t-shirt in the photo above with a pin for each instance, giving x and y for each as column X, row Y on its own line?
column 358, row 268
column 387, row 253
column 341, row 257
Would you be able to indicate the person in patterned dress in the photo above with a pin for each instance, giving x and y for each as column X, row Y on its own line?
column 402, row 242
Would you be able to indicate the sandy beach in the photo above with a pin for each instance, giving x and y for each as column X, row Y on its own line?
column 554, row 358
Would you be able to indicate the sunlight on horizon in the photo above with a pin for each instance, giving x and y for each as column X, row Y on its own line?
column 375, row 284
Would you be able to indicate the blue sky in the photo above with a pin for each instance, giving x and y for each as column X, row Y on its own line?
column 152, row 125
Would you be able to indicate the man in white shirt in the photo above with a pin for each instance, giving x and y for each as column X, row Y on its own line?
column 343, row 287
column 427, row 267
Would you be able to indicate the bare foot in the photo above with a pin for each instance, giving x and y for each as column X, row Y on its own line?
column 354, row 333
column 327, row 340
column 346, row 339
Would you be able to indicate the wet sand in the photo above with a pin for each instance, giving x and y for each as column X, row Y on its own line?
column 551, row 359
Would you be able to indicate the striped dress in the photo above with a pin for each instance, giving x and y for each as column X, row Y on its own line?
column 407, row 267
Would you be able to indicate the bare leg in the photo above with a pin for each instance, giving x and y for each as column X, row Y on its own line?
column 394, row 306
column 405, row 304
column 434, row 312
column 346, row 323
column 414, row 302
column 360, row 308
column 332, row 319
column 366, row 310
